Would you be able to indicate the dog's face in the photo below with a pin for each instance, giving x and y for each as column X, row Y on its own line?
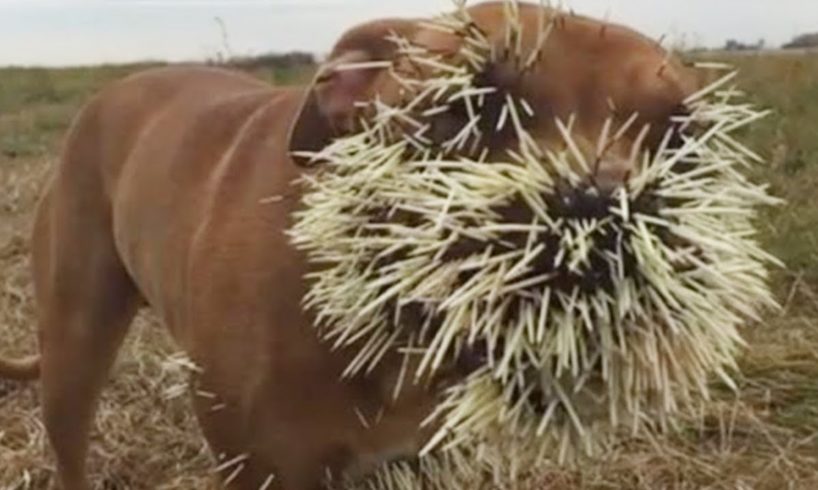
column 616, row 89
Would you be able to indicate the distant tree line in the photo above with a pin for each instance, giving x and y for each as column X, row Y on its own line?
column 276, row 61
column 803, row 41
column 734, row 45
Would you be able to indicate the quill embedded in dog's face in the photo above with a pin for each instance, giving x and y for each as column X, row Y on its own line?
column 490, row 83
column 537, row 199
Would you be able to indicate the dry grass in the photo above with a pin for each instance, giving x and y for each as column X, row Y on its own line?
column 765, row 438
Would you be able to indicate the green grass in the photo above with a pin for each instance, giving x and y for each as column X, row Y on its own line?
column 788, row 138
column 780, row 370
column 37, row 104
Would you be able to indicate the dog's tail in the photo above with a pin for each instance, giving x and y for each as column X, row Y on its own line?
column 22, row 370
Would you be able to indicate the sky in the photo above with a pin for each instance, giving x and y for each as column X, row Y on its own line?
column 71, row 32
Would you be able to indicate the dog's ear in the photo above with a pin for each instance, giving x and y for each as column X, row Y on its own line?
column 329, row 105
column 329, row 102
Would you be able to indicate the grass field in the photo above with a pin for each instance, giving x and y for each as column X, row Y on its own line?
column 763, row 438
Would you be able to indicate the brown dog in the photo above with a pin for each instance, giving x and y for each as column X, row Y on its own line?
column 175, row 188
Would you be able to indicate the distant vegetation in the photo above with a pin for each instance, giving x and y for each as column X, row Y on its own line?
column 279, row 68
column 803, row 41
column 733, row 45
column 286, row 61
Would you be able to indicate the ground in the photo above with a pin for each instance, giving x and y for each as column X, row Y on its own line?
column 763, row 438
